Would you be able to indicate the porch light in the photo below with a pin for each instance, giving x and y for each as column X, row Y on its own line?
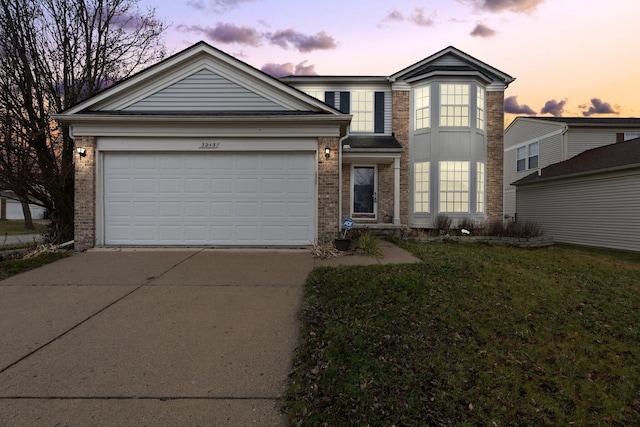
column 327, row 152
column 82, row 152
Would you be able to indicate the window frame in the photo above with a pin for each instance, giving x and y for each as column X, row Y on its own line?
column 422, row 104
column 454, row 187
column 481, row 186
column 458, row 103
column 480, row 107
column 363, row 116
column 421, row 195
column 527, row 158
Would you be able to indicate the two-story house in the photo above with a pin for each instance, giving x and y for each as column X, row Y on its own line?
column 533, row 143
column 203, row 149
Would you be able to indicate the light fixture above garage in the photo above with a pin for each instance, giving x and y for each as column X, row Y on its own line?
column 82, row 152
column 327, row 152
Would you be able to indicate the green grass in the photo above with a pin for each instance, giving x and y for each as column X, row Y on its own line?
column 11, row 267
column 476, row 335
column 10, row 227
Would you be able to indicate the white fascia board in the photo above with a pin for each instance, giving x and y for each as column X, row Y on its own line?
column 302, row 126
column 349, row 157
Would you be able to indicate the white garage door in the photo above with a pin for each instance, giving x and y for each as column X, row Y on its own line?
column 209, row 198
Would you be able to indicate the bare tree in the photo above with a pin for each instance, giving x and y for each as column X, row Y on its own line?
column 53, row 55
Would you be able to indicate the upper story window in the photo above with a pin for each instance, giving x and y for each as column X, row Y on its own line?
column 480, row 108
column 527, row 157
column 421, row 102
column 362, row 110
column 318, row 94
column 454, row 105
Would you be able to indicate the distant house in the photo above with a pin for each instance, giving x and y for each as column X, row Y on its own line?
column 532, row 143
column 591, row 199
column 203, row 149
column 11, row 208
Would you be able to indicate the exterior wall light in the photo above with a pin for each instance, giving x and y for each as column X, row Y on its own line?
column 327, row 152
column 82, row 152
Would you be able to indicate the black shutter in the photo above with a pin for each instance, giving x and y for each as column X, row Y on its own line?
column 378, row 112
column 345, row 102
column 330, row 98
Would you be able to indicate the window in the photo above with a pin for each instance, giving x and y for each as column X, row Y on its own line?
column 319, row 94
column 421, row 101
column 480, row 186
column 421, row 187
column 454, row 105
column 527, row 157
column 454, row 186
column 480, row 108
column 533, row 155
column 362, row 110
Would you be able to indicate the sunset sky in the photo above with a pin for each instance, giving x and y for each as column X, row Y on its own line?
column 569, row 57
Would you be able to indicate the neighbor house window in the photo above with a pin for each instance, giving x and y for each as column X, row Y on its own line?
column 319, row 94
column 421, row 187
column 454, row 105
column 480, row 187
column 362, row 110
column 454, row 186
column 421, row 101
column 480, row 109
column 527, row 157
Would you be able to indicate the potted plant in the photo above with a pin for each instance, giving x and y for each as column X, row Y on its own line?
column 343, row 243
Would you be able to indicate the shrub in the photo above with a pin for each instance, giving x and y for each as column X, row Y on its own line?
column 442, row 223
column 367, row 244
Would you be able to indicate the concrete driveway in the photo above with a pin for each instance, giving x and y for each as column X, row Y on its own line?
column 151, row 337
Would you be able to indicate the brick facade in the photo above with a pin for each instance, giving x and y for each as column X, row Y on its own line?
column 495, row 154
column 85, row 195
column 328, row 190
column 400, row 127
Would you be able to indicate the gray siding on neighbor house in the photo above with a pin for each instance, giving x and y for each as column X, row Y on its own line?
column 594, row 210
column 205, row 91
column 586, row 139
column 525, row 130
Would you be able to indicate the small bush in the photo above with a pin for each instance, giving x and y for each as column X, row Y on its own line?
column 526, row 229
column 494, row 228
column 442, row 223
column 367, row 244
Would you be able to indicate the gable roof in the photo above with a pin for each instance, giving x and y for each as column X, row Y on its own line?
column 211, row 80
column 613, row 156
column 451, row 61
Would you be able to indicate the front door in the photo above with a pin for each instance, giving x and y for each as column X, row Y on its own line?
column 364, row 192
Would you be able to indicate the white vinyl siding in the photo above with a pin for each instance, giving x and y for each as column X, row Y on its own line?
column 595, row 210
column 205, row 91
column 209, row 198
column 582, row 140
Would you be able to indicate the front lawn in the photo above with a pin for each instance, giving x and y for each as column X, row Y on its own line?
column 476, row 335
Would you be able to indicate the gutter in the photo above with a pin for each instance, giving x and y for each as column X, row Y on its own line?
column 542, row 179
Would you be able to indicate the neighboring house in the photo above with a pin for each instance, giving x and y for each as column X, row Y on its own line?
column 203, row 149
column 591, row 199
column 531, row 143
column 11, row 208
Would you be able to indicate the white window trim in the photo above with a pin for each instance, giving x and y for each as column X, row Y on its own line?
column 527, row 156
column 468, row 191
column 442, row 106
column 370, row 124
column 427, row 192
column 426, row 107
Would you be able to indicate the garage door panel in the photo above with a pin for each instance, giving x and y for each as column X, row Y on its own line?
column 209, row 198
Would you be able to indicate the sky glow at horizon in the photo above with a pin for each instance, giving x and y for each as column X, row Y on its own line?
column 569, row 57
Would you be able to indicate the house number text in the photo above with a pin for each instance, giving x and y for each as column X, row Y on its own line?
column 209, row 145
